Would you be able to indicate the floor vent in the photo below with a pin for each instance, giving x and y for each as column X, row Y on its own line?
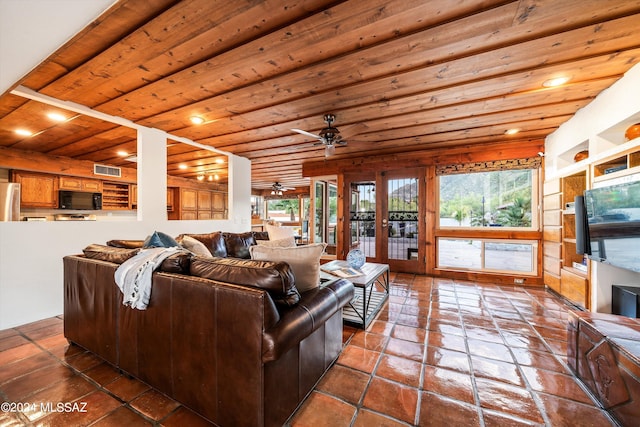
column 107, row 170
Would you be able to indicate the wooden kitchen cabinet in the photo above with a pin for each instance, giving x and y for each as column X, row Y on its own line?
column 204, row 201
column 37, row 190
column 80, row 184
column 201, row 204
column 133, row 198
column 188, row 199
column 219, row 201
column 170, row 199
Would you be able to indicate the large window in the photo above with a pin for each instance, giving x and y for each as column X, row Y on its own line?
column 492, row 201
column 488, row 255
column 283, row 210
column 488, row 199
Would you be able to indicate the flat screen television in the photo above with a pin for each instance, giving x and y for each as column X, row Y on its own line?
column 613, row 218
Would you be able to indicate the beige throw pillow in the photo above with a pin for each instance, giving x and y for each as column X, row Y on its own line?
column 303, row 260
column 287, row 242
column 195, row 246
column 277, row 233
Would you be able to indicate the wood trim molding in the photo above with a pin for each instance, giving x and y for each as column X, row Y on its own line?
column 430, row 157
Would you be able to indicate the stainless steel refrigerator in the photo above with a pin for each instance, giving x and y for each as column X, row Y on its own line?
column 9, row 201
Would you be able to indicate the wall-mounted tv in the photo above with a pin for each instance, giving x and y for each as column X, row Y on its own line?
column 613, row 218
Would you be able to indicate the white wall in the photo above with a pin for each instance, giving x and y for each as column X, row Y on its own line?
column 27, row 35
column 598, row 127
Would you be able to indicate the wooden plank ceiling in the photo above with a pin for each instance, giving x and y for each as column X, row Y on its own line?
column 399, row 75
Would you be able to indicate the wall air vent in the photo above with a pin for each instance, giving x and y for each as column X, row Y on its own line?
column 107, row 170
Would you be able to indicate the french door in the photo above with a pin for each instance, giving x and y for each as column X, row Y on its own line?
column 386, row 218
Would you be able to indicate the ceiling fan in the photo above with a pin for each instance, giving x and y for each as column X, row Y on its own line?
column 277, row 189
column 330, row 136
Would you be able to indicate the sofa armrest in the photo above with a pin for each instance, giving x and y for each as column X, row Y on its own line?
column 296, row 323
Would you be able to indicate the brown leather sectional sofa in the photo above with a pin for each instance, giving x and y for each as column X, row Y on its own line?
column 220, row 335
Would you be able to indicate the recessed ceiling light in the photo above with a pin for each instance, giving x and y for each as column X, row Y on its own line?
column 197, row 120
column 556, row 81
column 122, row 153
column 23, row 132
column 56, row 117
column 511, row 131
column 200, row 177
column 219, row 161
column 182, row 166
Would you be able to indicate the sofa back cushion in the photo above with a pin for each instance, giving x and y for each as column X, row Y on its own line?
column 213, row 241
column 109, row 253
column 274, row 277
column 304, row 260
column 261, row 235
column 238, row 244
column 125, row 243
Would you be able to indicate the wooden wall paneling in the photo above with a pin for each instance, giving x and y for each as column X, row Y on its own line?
column 552, row 234
column 552, row 218
column 553, row 202
column 552, row 249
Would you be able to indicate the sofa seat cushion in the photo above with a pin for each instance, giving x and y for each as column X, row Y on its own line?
column 238, row 244
column 274, row 277
column 296, row 323
column 213, row 241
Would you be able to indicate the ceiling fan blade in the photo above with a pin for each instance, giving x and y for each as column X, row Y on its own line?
column 304, row 132
column 352, row 130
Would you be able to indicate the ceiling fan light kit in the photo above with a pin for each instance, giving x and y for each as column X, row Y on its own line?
column 277, row 189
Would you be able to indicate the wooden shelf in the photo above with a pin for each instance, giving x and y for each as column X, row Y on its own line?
column 115, row 196
column 560, row 239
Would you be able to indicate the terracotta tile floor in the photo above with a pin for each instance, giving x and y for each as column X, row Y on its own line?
column 441, row 352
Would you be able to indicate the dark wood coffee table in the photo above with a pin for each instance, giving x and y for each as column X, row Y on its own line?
column 372, row 290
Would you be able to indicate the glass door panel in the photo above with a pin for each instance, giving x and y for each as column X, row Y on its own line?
column 362, row 217
column 318, row 220
column 385, row 213
column 402, row 209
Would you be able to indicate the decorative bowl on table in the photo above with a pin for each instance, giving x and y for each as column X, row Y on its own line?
column 355, row 258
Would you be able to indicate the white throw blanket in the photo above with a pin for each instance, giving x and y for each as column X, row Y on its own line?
column 133, row 277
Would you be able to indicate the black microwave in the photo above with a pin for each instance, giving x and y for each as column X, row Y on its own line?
column 79, row 200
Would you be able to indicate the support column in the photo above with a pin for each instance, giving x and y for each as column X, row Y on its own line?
column 152, row 176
